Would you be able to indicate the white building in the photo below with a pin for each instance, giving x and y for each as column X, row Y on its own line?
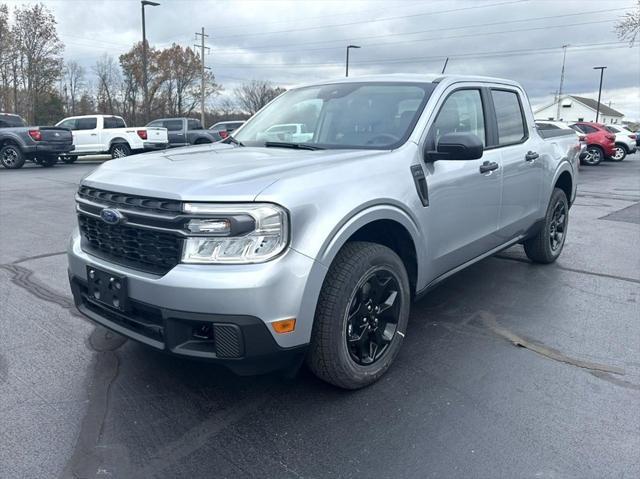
column 573, row 108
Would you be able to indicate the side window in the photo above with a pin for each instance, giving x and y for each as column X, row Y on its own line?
column 173, row 125
column 157, row 124
column 588, row 129
column 70, row 123
column 511, row 126
column 86, row 123
column 461, row 112
column 193, row 125
column 111, row 122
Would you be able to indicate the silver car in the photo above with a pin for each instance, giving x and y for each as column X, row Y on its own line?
column 260, row 254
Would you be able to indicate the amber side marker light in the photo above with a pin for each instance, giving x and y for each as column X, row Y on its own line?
column 284, row 326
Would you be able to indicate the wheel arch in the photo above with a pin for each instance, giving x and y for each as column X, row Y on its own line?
column 565, row 180
column 623, row 145
column 119, row 140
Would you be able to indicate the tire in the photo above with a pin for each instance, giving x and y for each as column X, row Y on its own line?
column 69, row 159
column 545, row 247
column 47, row 161
column 619, row 153
column 594, row 156
column 11, row 157
column 119, row 150
column 359, row 279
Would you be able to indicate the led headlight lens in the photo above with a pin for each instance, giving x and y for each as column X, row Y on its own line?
column 268, row 238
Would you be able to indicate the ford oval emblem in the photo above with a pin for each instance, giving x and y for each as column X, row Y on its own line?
column 111, row 216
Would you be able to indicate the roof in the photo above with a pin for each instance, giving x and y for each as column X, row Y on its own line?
column 415, row 78
column 593, row 104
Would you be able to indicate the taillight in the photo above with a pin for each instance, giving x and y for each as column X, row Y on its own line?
column 582, row 138
column 633, row 137
column 35, row 134
column 142, row 134
column 610, row 137
column 223, row 134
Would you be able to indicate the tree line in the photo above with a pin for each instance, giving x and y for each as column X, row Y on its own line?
column 38, row 84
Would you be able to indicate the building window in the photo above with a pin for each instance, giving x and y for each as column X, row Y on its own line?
column 580, row 119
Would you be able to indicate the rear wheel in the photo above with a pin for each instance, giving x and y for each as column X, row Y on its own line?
column 547, row 244
column 47, row 161
column 619, row 153
column 594, row 155
column 361, row 316
column 11, row 157
column 120, row 150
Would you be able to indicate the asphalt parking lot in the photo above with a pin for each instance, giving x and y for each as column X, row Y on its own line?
column 509, row 369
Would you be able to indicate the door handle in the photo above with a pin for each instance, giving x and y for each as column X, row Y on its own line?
column 531, row 156
column 488, row 166
column 94, row 134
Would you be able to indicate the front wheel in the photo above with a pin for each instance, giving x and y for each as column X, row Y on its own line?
column 547, row 244
column 361, row 316
column 619, row 153
column 594, row 156
column 120, row 150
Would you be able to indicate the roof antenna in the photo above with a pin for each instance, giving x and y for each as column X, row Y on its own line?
column 445, row 65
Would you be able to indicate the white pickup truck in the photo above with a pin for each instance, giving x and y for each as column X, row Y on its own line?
column 108, row 134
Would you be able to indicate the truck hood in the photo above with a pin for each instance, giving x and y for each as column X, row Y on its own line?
column 217, row 172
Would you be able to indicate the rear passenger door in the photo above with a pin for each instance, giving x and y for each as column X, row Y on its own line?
column 176, row 132
column 522, row 164
column 85, row 135
column 462, row 217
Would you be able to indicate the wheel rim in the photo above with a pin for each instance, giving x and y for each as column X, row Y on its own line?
column 119, row 152
column 618, row 153
column 9, row 157
column 372, row 317
column 558, row 226
column 593, row 156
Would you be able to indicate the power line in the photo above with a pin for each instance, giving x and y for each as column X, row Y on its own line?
column 448, row 28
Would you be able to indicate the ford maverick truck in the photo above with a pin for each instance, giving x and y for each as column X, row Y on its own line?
column 259, row 253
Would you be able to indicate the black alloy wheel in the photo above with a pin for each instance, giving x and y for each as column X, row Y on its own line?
column 373, row 316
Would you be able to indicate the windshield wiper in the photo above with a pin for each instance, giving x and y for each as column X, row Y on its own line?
column 230, row 139
column 296, row 146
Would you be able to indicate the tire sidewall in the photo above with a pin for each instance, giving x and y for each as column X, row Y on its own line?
column 623, row 153
column 383, row 259
column 600, row 155
column 558, row 195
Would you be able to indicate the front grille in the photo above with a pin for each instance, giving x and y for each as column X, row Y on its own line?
column 130, row 202
column 144, row 249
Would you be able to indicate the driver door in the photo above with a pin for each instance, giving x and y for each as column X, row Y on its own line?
column 464, row 203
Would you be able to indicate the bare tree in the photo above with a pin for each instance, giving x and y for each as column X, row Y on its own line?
column 628, row 27
column 74, row 81
column 39, row 53
column 255, row 94
column 108, row 77
column 6, row 59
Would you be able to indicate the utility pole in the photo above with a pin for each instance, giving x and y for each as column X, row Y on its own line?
column 602, row 69
column 147, row 109
column 346, row 72
column 564, row 57
column 202, row 47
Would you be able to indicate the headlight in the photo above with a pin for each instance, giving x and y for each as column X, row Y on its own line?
column 235, row 233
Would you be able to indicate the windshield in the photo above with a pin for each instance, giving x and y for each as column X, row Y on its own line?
column 345, row 115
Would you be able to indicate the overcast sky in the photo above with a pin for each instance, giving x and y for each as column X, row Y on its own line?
column 291, row 42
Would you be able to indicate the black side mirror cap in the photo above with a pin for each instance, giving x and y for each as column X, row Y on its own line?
column 457, row 146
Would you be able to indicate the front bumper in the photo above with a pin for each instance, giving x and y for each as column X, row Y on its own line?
column 238, row 301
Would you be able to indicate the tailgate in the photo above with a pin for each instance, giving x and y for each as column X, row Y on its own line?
column 53, row 134
column 157, row 135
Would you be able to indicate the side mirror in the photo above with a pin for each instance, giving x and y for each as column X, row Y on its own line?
column 457, row 146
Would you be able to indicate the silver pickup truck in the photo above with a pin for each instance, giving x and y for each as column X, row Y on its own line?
column 262, row 251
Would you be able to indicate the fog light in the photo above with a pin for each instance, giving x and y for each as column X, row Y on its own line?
column 204, row 331
column 284, row 325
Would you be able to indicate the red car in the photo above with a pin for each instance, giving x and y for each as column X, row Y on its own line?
column 600, row 141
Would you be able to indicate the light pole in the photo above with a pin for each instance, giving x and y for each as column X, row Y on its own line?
column 602, row 69
column 346, row 73
column 147, row 110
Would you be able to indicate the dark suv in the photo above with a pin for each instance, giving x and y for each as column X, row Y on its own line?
column 184, row 131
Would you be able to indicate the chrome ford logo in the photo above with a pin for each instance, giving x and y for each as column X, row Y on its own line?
column 111, row 216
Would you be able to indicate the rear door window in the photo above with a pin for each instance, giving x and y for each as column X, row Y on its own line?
column 112, row 122
column 173, row 125
column 86, row 123
column 510, row 117
column 193, row 125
